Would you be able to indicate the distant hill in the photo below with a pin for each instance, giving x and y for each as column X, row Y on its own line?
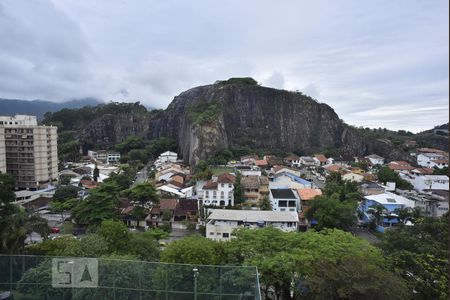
column 11, row 107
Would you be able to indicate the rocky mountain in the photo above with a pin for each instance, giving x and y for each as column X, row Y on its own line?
column 240, row 113
column 11, row 107
column 236, row 114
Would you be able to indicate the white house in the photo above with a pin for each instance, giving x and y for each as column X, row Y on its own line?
column 219, row 191
column 353, row 177
column 307, row 161
column 430, row 182
column 222, row 222
column 375, row 159
column 431, row 160
column 320, row 160
column 168, row 156
column 113, row 157
column 292, row 160
column 284, row 200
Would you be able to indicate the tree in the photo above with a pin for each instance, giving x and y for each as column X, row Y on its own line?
column 378, row 212
column 96, row 173
column 238, row 189
column 387, row 175
column 63, row 193
column 142, row 193
column 161, row 145
column 131, row 142
column 353, row 278
column 193, row 250
column 419, row 254
column 144, row 246
column 157, row 233
column 101, row 204
column 265, row 204
column 116, row 235
column 442, row 171
column 329, row 212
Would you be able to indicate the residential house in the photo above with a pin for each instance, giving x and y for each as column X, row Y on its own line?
column 433, row 159
column 292, row 160
column 163, row 212
column 331, row 168
column 289, row 180
column 375, row 159
column 262, row 164
column 370, row 188
column 390, row 202
column 307, row 161
column 339, row 160
column 219, row 191
column 428, row 182
column 350, row 176
column 255, row 189
column 399, row 166
column 272, row 160
column 186, row 210
column 168, row 156
column 284, row 200
column 277, row 169
column 222, row 222
column 320, row 160
column 306, row 195
column 249, row 160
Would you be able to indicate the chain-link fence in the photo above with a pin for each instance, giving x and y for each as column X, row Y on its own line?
column 41, row 277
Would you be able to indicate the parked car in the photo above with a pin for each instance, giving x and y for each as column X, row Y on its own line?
column 55, row 230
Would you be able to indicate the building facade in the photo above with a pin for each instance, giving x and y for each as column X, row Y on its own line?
column 28, row 152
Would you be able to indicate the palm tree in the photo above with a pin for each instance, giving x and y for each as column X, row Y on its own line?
column 378, row 212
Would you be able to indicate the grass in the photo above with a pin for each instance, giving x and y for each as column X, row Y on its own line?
column 220, row 170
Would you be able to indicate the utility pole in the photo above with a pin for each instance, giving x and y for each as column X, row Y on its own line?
column 195, row 270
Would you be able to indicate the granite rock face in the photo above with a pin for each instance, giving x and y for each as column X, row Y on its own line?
column 250, row 115
column 260, row 118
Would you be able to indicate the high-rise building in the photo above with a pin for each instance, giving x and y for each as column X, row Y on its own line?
column 28, row 151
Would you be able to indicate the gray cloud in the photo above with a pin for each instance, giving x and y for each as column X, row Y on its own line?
column 377, row 63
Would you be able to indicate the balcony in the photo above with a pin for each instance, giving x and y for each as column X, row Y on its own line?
column 37, row 277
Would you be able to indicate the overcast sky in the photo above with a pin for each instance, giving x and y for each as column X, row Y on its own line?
column 377, row 63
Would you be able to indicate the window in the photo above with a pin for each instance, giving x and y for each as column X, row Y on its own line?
column 206, row 194
column 222, row 185
column 214, row 194
column 229, row 185
column 211, row 233
column 222, row 195
column 226, row 235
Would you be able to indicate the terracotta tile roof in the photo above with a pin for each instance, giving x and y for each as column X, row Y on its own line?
column 168, row 204
column 89, row 184
column 425, row 171
column 210, row 185
column 320, row 157
column 176, row 183
column 394, row 166
column 261, row 163
column 308, row 194
column 332, row 168
column 292, row 157
column 440, row 161
column 226, row 178
column 430, row 150
column 250, row 182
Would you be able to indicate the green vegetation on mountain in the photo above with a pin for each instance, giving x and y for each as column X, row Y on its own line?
column 238, row 80
column 203, row 112
column 387, row 175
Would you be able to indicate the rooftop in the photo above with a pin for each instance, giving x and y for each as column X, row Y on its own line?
column 253, row 215
column 308, row 194
column 283, row 194
column 388, row 198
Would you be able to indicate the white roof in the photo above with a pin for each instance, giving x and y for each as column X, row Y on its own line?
column 170, row 190
column 253, row 215
column 435, row 177
column 391, row 198
column 374, row 156
column 169, row 153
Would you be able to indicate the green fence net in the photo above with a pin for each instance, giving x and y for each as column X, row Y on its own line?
column 42, row 277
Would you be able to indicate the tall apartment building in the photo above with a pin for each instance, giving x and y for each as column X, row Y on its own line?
column 28, row 151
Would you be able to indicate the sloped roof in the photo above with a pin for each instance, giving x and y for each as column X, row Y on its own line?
column 320, row 157
column 250, row 182
column 374, row 156
column 226, row 178
column 308, row 194
column 210, row 185
column 292, row 157
column 332, row 168
column 168, row 204
column 261, row 162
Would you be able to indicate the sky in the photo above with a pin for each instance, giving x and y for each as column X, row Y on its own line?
column 379, row 63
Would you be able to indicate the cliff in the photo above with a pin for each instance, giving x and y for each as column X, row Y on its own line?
column 259, row 118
